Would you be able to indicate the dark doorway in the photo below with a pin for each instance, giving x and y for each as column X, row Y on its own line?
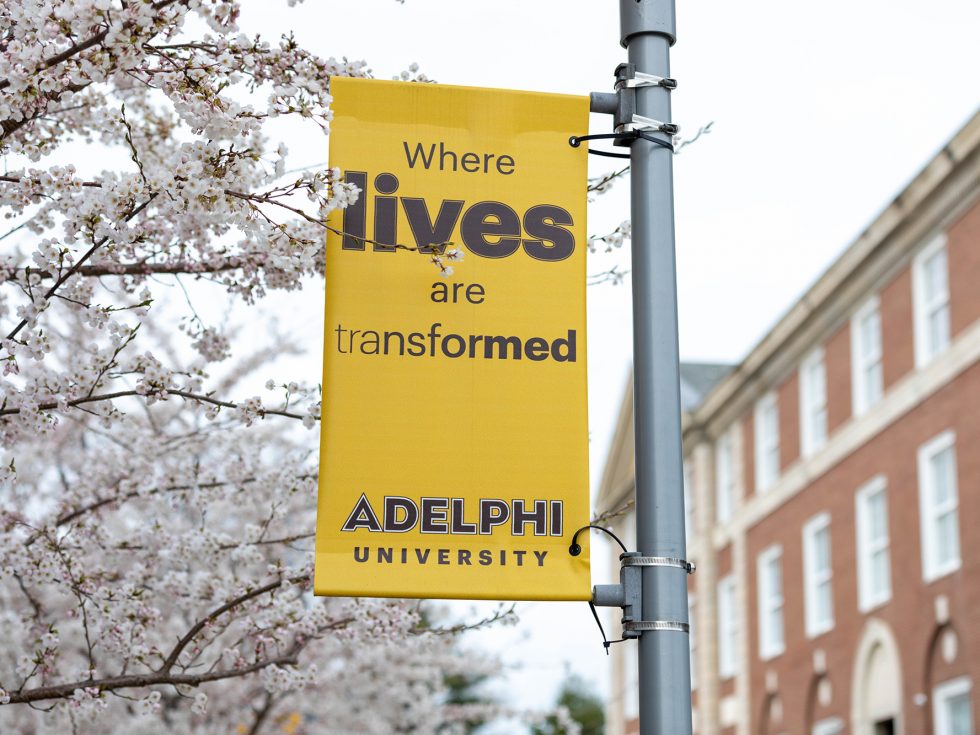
column 885, row 727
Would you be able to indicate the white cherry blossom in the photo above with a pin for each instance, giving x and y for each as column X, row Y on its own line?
column 156, row 526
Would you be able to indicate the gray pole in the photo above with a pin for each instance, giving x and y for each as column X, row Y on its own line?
column 648, row 30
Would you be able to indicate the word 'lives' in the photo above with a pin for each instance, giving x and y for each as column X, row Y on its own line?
column 489, row 229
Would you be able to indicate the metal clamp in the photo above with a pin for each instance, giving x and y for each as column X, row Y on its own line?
column 625, row 119
column 643, row 625
column 657, row 561
column 639, row 122
column 640, row 79
column 628, row 593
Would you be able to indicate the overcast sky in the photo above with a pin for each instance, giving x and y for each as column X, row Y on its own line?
column 822, row 113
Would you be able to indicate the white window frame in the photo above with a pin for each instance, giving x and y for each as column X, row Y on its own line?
column 867, row 547
column 830, row 726
column 770, row 604
column 814, row 579
column 941, row 695
column 766, row 446
column 813, row 402
column 925, row 352
column 724, row 477
column 728, row 628
column 932, row 569
column 864, row 361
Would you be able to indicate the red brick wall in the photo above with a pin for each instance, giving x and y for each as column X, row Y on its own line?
column 837, row 360
column 748, row 454
column 897, row 342
column 789, row 421
column 963, row 256
column 911, row 610
column 726, row 688
column 724, row 561
column 725, row 567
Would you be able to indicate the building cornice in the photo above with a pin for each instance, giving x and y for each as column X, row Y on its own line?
column 936, row 197
column 941, row 192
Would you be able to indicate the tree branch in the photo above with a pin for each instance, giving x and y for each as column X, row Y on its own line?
column 131, row 681
column 501, row 613
column 9, row 127
column 262, row 714
column 176, row 268
column 101, row 502
column 74, row 269
column 616, row 512
column 165, row 675
column 171, row 659
column 253, row 200
column 17, row 179
column 170, row 392
column 81, row 46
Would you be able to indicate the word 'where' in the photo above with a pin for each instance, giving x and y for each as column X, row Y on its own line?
column 469, row 161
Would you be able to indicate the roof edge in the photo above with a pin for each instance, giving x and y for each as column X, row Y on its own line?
column 963, row 144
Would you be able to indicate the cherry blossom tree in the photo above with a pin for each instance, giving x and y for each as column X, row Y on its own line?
column 156, row 519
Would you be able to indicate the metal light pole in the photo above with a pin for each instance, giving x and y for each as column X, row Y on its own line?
column 653, row 580
column 647, row 32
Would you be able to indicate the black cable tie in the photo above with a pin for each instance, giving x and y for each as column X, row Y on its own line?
column 605, row 641
column 595, row 614
column 574, row 549
column 608, row 154
column 576, row 140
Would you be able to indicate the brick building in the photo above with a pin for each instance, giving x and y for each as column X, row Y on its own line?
column 833, row 480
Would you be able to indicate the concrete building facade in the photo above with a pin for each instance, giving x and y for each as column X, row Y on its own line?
column 833, row 481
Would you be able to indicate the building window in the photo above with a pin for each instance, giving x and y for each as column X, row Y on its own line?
column 770, row 580
column 766, row 442
column 831, row 726
column 938, row 506
column 874, row 565
column 813, row 403
column 930, row 300
column 727, row 628
column 866, row 363
column 951, row 708
column 724, row 478
column 818, row 576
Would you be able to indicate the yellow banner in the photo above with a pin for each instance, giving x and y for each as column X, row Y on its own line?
column 454, row 445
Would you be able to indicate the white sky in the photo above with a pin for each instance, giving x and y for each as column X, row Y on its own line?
column 822, row 113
